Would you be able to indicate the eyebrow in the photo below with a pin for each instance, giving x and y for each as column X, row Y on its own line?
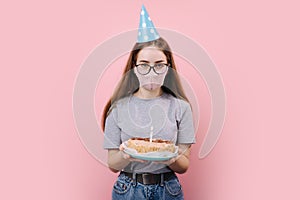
column 146, row 61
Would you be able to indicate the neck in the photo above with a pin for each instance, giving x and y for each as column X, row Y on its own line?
column 146, row 94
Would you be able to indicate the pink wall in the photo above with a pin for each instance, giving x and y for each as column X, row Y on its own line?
column 254, row 44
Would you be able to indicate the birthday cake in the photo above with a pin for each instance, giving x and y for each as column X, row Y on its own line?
column 143, row 145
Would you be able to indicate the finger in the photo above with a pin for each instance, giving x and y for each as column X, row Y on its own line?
column 172, row 160
column 161, row 162
column 158, row 162
column 137, row 160
column 180, row 151
column 121, row 147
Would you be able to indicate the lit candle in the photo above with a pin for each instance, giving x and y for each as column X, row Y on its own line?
column 151, row 133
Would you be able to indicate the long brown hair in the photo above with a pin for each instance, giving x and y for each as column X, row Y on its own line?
column 129, row 83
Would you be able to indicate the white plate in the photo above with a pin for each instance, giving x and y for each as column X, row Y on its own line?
column 151, row 156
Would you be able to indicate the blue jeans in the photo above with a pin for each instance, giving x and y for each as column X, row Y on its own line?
column 125, row 188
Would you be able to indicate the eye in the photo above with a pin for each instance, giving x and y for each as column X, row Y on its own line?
column 143, row 65
column 159, row 65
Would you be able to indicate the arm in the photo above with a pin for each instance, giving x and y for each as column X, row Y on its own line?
column 181, row 163
column 186, row 137
column 118, row 160
column 112, row 139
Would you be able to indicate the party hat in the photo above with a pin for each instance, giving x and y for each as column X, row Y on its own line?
column 147, row 31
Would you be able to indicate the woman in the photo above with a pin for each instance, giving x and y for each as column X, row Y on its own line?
column 149, row 96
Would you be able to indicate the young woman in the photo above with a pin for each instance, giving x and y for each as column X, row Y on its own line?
column 149, row 95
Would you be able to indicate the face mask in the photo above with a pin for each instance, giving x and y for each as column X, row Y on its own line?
column 151, row 81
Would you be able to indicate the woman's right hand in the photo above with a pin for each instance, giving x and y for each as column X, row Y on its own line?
column 128, row 157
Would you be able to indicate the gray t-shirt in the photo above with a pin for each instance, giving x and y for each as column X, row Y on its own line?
column 131, row 116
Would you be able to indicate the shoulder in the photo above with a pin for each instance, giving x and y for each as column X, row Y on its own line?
column 122, row 101
column 181, row 107
column 119, row 104
column 179, row 103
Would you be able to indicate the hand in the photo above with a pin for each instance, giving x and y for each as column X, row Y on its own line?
column 166, row 162
column 172, row 160
column 128, row 157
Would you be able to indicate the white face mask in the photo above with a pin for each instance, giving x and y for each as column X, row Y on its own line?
column 152, row 80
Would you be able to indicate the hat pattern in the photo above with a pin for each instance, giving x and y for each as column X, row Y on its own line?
column 147, row 31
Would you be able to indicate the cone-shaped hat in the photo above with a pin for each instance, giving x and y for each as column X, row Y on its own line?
column 147, row 31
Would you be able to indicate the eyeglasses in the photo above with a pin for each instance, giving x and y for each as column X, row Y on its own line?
column 158, row 68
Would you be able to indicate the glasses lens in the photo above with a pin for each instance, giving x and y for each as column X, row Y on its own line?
column 143, row 68
column 160, row 68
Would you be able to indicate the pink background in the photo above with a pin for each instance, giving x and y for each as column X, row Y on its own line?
column 255, row 45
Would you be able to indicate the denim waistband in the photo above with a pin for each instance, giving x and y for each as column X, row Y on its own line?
column 148, row 178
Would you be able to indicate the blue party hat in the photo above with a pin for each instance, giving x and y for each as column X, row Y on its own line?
column 147, row 31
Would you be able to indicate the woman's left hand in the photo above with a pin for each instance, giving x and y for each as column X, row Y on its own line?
column 172, row 160
column 180, row 162
column 166, row 162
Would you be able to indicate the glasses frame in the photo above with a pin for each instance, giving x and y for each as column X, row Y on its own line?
column 152, row 67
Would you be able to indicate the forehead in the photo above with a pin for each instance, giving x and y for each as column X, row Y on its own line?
column 151, row 54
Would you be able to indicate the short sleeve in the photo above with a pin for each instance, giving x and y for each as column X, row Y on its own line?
column 112, row 133
column 186, row 131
